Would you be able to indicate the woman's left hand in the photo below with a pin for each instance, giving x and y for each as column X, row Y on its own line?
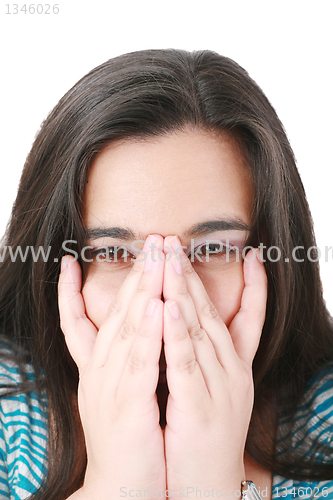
column 209, row 374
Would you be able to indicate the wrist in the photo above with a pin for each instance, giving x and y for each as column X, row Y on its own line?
column 230, row 487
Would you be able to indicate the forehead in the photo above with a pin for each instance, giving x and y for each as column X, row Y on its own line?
column 164, row 184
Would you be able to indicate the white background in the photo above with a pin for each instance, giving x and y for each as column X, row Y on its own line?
column 285, row 45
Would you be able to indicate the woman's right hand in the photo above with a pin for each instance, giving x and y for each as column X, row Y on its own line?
column 118, row 375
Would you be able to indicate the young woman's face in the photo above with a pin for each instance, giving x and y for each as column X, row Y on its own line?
column 168, row 185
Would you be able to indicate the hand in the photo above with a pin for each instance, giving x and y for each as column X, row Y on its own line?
column 118, row 374
column 209, row 374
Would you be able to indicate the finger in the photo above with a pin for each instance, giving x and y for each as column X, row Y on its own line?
column 198, row 332
column 246, row 326
column 186, row 381
column 119, row 307
column 196, row 307
column 119, row 354
column 139, row 379
column 79, row 331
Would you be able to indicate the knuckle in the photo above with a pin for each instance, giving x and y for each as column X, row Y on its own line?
column 188, row 365
column 188, row 269
column 136, row 363
column 114, row 308
column 142, row 288
column 144, row 333
column 128, row 330
column 195, row 331
column 182, row 291
column 209, row 310
column 180, row 335
column 72, row 325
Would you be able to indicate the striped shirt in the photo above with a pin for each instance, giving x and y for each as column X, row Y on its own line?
column 23, row 439
column 312, row 425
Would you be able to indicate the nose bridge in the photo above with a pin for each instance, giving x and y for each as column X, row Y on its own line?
column 167, row 243
column 162, row 240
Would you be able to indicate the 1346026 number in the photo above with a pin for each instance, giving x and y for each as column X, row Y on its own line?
column 32, row 8
column 299, row 492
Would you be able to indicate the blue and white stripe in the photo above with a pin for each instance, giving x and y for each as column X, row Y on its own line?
column 313, row 423
column 23, row 438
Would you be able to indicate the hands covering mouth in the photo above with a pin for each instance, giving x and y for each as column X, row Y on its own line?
column 208, row 368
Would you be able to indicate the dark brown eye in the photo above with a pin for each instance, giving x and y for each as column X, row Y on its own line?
column 111, row 254
column 210, row 249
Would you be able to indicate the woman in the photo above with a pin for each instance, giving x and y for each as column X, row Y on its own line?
column 164, row 148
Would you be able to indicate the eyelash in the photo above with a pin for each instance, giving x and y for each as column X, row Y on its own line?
column 99, row 251
column 214, row 253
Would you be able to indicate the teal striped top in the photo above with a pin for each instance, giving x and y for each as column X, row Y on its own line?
column 23, row 438
column 312, row 426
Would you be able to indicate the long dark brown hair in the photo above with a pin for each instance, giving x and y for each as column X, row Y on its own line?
column 142, row 94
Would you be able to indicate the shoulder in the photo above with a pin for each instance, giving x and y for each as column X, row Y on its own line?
column 315, row 413
column 23, row 432
column 309, row 435
column 311, row 427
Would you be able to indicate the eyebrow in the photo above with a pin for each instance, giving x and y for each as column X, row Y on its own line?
column 206, row 227
column 209, row 226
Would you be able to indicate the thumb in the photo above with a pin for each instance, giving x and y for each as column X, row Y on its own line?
column 80, row 333
column 246, row 327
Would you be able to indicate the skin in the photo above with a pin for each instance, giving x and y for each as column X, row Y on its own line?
column 164, row 187
column 209, row 316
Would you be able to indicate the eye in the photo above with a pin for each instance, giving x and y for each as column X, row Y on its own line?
column 208, row 251
column 111, row 254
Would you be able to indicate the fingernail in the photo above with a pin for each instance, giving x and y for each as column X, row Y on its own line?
column 63, row 265
column 258, row 254
column 174, row 310
column 177, row 247
column 152, row 306
column 175, row 243
column 176, row 264
column 64, row 262
column 149, row 241
column 147, row 265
